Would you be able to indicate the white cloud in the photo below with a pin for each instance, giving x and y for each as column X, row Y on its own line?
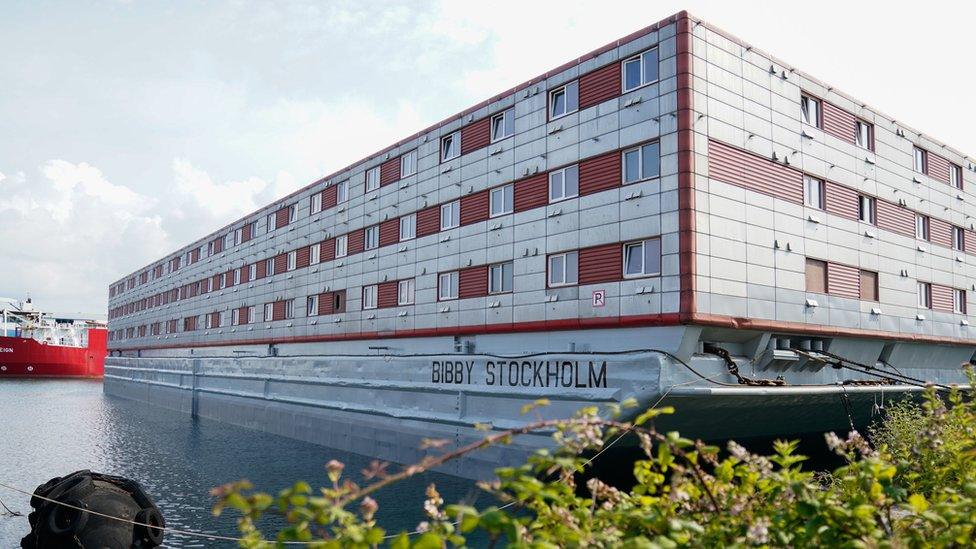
column 219, row 199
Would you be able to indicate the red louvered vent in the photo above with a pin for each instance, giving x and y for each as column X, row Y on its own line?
column 278, row 310
column 390, row 171
column 838, row 122
column 753, row 172
column 892, row 217
column 327, row 250
column 940, row 232
column 475, row 135
column 228, row 278
column 246, row 232
column 302, row 257
column 473, row 282
column 329, row 197
column 599, row 85
column 531, row 193
column 428, row 221
column 390, row 231
column 245, row 274
column 938, row 168
column 386, row 295
column 332, row 302
column 942, row 298
column 843, row 281
column 599, row 173
column 261, row 270
column 841, row 200
column 474, row 207
column 280, row 263
column 601, row 264
column 281, row 217
column 356, row 241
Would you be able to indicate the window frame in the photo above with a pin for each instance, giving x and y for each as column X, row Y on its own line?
column 565, row 89
column 821, row 192
column 371, row 237
column 920, row 154
column 455, row 139
column 808, row 99
column 565, row 269
column 411, row 286
column 955, row 176
column 292, row 213
column 372, row 179
column 923, row 294
column 312, row 305
column 292, row 262
column 411, row 220
column 344, row 239
column 269, row 311
column 269, row 269
column 501, row 278
column 455, row 215
column 507, row 118
column 869, row 134
column 959, row 301
column 454, row 283
column 872, row 209
column 508, row 200
column 252, row 272
column 563, row 172
column 923, row 224
column 342, row 192
column 315, row 203
column 641, row 176
column 958, row 238
column 640, row 62
column 371, row 291
column 642, row 243
column 315, row 254
column 270, row 224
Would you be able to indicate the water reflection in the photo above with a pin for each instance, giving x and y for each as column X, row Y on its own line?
column 51, row 427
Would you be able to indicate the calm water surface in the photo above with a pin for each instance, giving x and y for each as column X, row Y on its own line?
column 51, row 428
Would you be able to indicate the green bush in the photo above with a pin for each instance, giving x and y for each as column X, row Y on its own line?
column 915, row 486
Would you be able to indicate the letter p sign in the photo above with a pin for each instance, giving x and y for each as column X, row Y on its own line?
column 599, row 298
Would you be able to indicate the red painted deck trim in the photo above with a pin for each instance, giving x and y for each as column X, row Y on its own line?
column 686, row 168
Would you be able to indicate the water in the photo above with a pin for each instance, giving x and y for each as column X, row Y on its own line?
column 49, row 428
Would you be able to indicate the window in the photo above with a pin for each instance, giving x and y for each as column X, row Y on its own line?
column 237, row 276
column 315, row 203
column 252, row 271
column 500, row 278
column 212, row 319
column 924, row 295
column 501, row 200
column 450, row 146
column 290, row 309
column 642, row 258
column 312, row 305
column 271, row 223
column 292, row 213
column 405, row 292
column 447, row 285
column 342, row 192
column 268, row 312
column 292, row 260
column 408, row 227
column 869, row 286
column 864, row 135
column 563, row 269
column 564, row 183
column 640, row 70
column 251, row 314
column 958, row 239
column 408, row 164
column 372, row 239
column 373, row 179
column 315, row 254
column 867, row 209
column 816, row 276
column 810, row 109
column 269, row 266
column 451, row 215
column 955, row 176
column 642, row 163
column 337, row 299
column 813, row 192
column 502, row 125
column 564, row 100
column 342, row 244
column 921, row 157
column 238, row 236
column 369, row 297
column 921, row 227
column 959, row 301
column 235, row 317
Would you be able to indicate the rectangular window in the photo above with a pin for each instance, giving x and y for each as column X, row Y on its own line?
column 251, row 314
column 315, row 254
column 921, row 227
column 500, row 278
column 252, row 271
column 501, row 200
column 810, row 109
column 268, row 312
column 315, row 203
column 270, row 222
column 869, row 286
column 959, row 301
column 502, row 125
column 563, row 269
column 269, row 266
column 813, row 192
column 564, row 183
column 447, row 286
column 958, row 239
column 640, row 70
column 864, row 135
column 955, row 176
column 924, row 295
column 237, row 276
column 342, row 245
column 451, row 215
column 292, row 260
column 408, row 227
column 235, row 317
column 292, row 213
column 564, row 100
column 312, row 305
column 238, row 236
column 642, row 258
column 450, row 146
column 921, row 157
column 372, row 238
column 372, row 179
column 867, row 209
column 408, row 164
column 290, row 309
column 342, row 192
column 405, row 292
column 369, row 297
column 642, row 162
column 816, row 275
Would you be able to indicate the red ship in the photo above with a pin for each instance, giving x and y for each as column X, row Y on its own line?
column 37, row 344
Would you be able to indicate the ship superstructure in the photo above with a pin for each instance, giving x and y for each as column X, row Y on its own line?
column 34, row 343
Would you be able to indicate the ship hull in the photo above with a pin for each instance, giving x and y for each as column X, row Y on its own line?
column 28, row 358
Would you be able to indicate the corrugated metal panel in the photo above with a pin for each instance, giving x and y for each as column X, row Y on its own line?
column 940, row 232
column 280, row 263
column 938, row 168
column 841, row 200
column 599, row 85
column 329, row 197
column 390, row 231
column 194, row 256
column 303, row 256
column 599, row 173
column 327, row 248
column 843, row 281
column 217, row 245
column 531, row 193
column 473, row 282
column 429, row 221
column 246, row 232
column 892, row 217
column 245, row 274
column 278, row 310
column 942, row 298
column 390, row 171
column 329, row 300
column 281, row 217
column 838, row 122
column 474, row 207
column 601, row 264
column 475, row 135
column 356, row 241
column 228, row 280
column 386, row 295
column 753, row 172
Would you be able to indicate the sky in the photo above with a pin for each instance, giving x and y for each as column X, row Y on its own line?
column 130, row 129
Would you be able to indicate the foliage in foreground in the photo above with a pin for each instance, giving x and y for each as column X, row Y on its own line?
column 916, row 486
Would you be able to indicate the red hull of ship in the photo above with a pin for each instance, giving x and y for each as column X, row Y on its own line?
column 22, row 357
